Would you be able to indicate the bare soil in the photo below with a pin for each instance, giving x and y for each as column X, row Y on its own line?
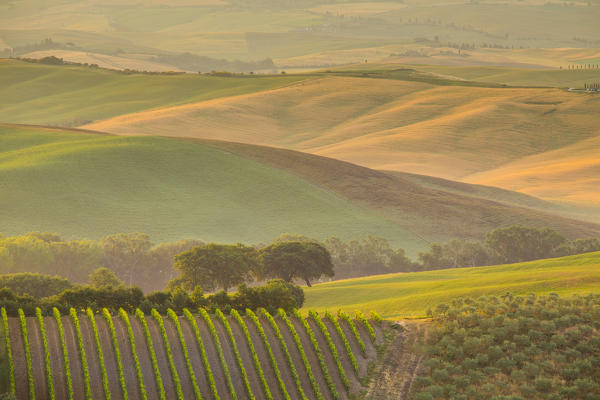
column 398, row 369
column 355, row 385
column 329, row 360
column 131, row 380
column 143, row 353
column 361, row 359
column 74, row 359
column 91, row 353
column 56, row 359
column 110, row 360
column 196, row 358
column 18, row 353
column 161, row 358
column 234, row 370
column 242, row 345
column 265, row 363
column 37, row 358
column 179, row 359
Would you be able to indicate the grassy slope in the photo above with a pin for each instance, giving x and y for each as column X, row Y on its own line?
column 91, row 185
column 447, row 131
column 411, row 294
column 65, row 95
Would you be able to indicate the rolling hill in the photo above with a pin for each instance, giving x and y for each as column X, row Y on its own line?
column 171, row 188
column 411, row 294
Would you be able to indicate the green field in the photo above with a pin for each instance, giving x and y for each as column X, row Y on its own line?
column 411, row 294
column 89, row 185
column 70, row 95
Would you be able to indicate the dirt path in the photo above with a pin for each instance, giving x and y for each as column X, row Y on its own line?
column 399, row 368
column 56, row 359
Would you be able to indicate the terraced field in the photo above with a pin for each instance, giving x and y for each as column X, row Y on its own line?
column 190, row 356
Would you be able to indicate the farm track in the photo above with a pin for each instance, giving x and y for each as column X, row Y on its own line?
column 399, row 368
column 147, row 371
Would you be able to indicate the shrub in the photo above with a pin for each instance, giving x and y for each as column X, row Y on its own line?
column 342, row 336
column 174, row 374
column 215, row 337
column 84, row 364
column 49, row 381
column 267, row 345
column 115, row 342
column 63, row 345
column 211, row 380
column 317, row 349
column 332, row 348
column 300, row 348
column 259, row 370
column 285, row 351
column 186, row 355
column 9, row 356
column 23, row 321
column 159, row 383
column 236, row 352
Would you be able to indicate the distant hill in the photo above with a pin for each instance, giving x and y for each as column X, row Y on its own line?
column 411, row 294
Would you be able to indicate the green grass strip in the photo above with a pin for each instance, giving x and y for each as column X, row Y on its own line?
column 257, row 366
column 186, row 355
column 92, row 318
column 49, row 380
column 265, row 340
column 9, row 356
column 84, row 364
column 174, row 374
column 300, row 348
column 344, row 339
column 23, row 321
column 343, row 316
column 209, row 375
column 115, row 342
column 159, row 383
column 317, row 349
column 63, row 344
column 363, row 320
column 136, row 360
column 238, row 358
column 285, row 351
column 332, row 348
column 215, row 336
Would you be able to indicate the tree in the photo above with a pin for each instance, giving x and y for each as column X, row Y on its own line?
column 126, row 253
column 289, row 260
column 518, row 243
column 216, row 265
column 163, row 257
column 104, row 278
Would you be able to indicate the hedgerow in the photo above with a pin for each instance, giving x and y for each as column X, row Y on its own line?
column 215, row 336
column 115, row 342
column 136, row 361
column 332, row 348
column 257, row 366
column 250, row 314
column 238, row 358
column 49, row 381
column 9, row 356
column 23, row 321
column 342, row 315
column 300, row 348
column 361, row 317
column 344, row 339
column 317, row 349
column 92, row 319
column 84, row 364
column 186, row 355
column 209, row 375
column 285, row 350
column 159, row 383
column 61, row 334
column 174, row 374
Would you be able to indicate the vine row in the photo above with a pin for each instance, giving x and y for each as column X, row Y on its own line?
column 92, row 318
column 115, row 342
column 332, row 348
column 134, row 355
column 186, row 355
column 159, row 383
column 174, row 374
column 49, row 380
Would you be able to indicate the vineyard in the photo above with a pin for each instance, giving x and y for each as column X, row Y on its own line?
column 256, row 355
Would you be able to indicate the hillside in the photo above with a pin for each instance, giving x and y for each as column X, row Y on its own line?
column 89, row 185
column 449, row 131
column 411, row 294
column 228, row 192
column 72, row 95
column 187, row 356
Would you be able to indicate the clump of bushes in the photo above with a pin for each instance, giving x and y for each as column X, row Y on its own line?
column 513, row 347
